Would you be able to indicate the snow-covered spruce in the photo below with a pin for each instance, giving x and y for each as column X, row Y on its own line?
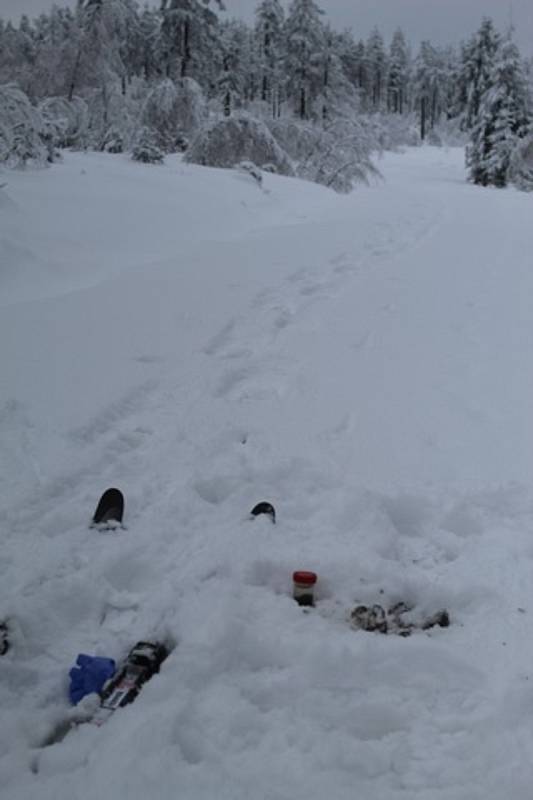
column 504, row 119
column 474, row 75
column 145, row 148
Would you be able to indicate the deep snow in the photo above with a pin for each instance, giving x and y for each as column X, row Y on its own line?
column 363, row 362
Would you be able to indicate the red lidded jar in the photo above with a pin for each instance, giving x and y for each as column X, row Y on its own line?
column 304, row 587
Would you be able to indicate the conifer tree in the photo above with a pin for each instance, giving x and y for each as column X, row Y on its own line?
column 187, row 36
column 97, row 39
column 478, row 59
column 236, row 77
column 270, row 18
column 451, row 71
column 363, row 76
column 147, row 57
column 504, row 118
column 337, row 91
column 430, row 86
column 304, row 34
column 398, row 76
column 377, row 65
column 349, row 55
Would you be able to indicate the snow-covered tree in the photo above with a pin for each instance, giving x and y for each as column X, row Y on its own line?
column 349, row 56
column 429, row 86
column 504, row 118
column 231, row 140
column 336, row 91
column 173, row 111
column 398, row 74
column 270, row 19
column 21, row 129
column 98, row 58
column 66, row 122
column 147, row 56
column 341, row 156
column 187, row 36
column 336, row 154
column 376, row 66
column 145, row 147
column 12, row 66
column 237, row 71
column 304, row 36
column 57, row 37
column 110, row 116
column 475, row 75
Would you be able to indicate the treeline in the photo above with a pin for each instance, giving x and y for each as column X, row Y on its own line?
column 123, row 69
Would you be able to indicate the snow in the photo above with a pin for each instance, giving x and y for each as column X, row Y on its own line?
column 362, row 362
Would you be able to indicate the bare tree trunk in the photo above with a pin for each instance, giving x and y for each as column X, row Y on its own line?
column 423, row 117
column 186, row 50
column 264, row 89
column 303, row 104
column 74, row 75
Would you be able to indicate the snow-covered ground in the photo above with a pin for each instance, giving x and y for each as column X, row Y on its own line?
column 362, row 362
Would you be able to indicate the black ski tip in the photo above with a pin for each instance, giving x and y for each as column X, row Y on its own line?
column 149, row 653
column 264, row 508
column 110, row 507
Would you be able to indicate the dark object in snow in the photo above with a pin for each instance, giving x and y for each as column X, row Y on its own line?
column 375, row 618
column 110, row 510
column 304, row 587
column 369, row 618
column 440, row 618
column 396, row 622
column 182, row 143
column 4, row 638
column 143, row 661
column 251, row 169
column 89, row 676
column 264, row 508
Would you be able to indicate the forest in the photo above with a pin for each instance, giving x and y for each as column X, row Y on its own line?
column 288, row 94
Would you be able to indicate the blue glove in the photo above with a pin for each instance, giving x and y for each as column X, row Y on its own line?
column 89, row 676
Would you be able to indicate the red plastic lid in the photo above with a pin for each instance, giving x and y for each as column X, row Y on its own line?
column 307, row 578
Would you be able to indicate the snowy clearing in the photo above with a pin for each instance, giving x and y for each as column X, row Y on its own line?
column 362, row 362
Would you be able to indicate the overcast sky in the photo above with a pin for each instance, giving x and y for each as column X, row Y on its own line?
column 441, row 21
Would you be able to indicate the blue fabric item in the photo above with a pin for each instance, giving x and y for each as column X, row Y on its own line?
column 89, row 676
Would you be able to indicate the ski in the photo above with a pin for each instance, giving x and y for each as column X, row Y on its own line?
column 109, row 511
column 264, row 508
column 141, row 664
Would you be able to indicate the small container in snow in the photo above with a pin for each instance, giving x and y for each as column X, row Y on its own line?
column 304, row 587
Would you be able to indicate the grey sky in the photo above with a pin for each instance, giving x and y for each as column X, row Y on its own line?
column 441, row 21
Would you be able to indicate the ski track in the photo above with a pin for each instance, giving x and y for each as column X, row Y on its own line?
column 379, row 717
